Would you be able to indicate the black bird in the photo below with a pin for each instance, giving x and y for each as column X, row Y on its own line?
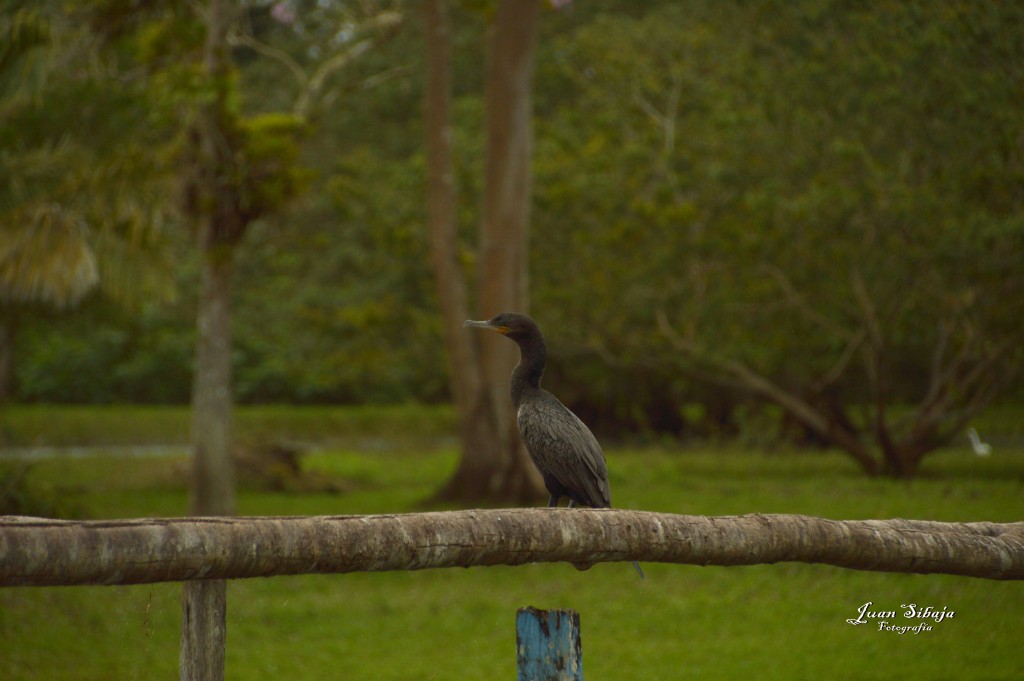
column 562, row 448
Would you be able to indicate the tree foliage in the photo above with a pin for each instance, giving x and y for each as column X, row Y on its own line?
column 79, row 203
column 821, row 195
column 806, row 208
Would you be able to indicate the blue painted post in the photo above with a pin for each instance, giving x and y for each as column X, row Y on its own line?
column 548, row 645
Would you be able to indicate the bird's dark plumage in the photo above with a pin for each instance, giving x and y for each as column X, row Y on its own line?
column 561, row 446
column 564, row 451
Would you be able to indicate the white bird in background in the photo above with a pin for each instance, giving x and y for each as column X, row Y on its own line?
column 980, row 448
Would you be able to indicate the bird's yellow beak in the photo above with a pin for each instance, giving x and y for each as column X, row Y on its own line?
column 486, row 325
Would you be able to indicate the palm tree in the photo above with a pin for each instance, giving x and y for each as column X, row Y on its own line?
column 77, row 212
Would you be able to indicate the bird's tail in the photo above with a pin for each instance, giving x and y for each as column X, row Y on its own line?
column 638, row 569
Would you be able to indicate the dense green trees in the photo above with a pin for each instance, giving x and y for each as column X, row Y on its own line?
column 810, row 202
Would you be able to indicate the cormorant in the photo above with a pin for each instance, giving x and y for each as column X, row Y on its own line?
column 562, row 448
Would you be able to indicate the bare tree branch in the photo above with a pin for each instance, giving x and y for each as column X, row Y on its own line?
column 867, row 307
column 247, row 39
column 800, row 304
column 938, row 353
column 839, row 368
column 665, row 121
column 379, row 27
column 37, row 552
column 800, row 409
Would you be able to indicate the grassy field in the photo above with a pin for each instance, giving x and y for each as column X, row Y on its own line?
column 767, row 622
column 36, row 425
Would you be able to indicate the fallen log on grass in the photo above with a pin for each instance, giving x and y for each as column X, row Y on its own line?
column 37, row 552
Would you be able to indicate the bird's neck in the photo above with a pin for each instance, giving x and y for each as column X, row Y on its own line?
column 526, row 375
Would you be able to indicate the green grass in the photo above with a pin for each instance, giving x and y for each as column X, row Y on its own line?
column 782, row 621
column 44, row 425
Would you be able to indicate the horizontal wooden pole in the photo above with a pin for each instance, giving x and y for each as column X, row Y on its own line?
column 37, row 552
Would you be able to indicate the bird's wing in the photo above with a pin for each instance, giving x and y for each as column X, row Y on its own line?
column 563, row 447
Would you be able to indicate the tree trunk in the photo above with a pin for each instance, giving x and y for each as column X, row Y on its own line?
column 219, row 227
column 494, row 466
column 8, row 324
column 463, row 359
column 504, row 232
column 213, row 489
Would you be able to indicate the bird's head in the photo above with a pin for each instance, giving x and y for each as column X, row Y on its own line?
column 515, row 326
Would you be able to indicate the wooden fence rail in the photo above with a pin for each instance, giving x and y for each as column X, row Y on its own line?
column 38, row 552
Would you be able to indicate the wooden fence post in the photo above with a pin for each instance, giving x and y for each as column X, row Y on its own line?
column 548, row 645
column 203, row 630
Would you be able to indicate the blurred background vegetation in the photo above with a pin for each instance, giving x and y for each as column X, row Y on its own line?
column 822, row 193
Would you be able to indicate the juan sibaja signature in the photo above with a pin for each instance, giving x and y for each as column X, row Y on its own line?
column 887, row 619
